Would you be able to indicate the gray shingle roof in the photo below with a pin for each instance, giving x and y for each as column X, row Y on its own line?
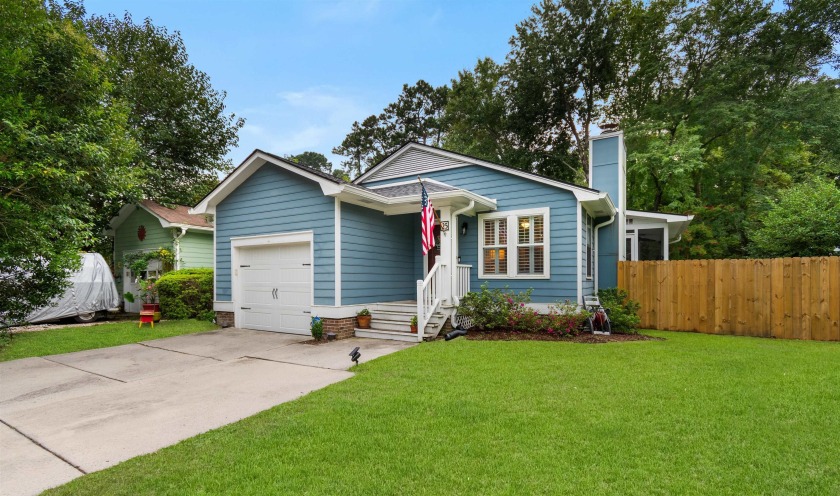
column 412, row 189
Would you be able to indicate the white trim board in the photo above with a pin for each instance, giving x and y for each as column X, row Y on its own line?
column 337, row 249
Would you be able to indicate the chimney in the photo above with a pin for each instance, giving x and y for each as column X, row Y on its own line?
column 607, row 173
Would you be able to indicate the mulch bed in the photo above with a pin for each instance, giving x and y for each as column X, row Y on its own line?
column 580, row 338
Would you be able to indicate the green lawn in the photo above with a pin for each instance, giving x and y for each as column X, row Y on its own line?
column 65, row 340
column 694, row 414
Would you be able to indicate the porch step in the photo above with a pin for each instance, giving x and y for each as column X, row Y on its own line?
column 380, row 334
column 401, row 306
column 395, row 325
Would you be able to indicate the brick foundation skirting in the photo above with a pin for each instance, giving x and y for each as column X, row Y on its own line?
column 224, row 319
column 343, row 328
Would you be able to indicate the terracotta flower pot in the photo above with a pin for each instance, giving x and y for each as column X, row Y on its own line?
column 363, row 321
column 413, row 329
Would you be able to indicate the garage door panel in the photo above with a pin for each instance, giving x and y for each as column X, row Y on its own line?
column 296, row 274
column 254, row 319
column 297, row 300
column 257, row 296
column 297, row 324
column 276, row 290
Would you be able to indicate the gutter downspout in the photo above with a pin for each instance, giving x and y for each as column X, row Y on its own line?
column 595, row 249
column 177, row 242
column 679, row 238
column 453, row 221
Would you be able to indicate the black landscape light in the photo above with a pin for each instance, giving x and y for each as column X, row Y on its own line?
column 354, row 355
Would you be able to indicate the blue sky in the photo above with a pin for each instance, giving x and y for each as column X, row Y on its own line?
column 300, row 73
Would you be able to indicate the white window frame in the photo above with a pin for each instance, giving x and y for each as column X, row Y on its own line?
column 512, row 217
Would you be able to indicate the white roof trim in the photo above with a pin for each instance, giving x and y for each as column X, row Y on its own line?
column 245, row 170
column 581, row 193
column 660, row 216
column 128, row 209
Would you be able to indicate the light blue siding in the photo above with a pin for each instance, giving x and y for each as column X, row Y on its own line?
column 588, row 284
column 605, row 177
column 378, row 256
column 608, row 256
column 605, row 166
column 275, row 201
column 515, row 193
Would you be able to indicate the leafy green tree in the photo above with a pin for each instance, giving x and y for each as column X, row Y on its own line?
column 65, row 147
column 803, row 223
column 561, row 71
column 314, row 160
column 417, row 115
column 178, row 118
column 318, row 161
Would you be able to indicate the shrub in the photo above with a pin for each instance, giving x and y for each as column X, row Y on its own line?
column 492, row 308
column 498, row 309
column 624, row 312
column 186, row 293
column 316, row 328
column 363, row 312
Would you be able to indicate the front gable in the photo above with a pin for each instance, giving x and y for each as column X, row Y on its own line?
column 411, row 162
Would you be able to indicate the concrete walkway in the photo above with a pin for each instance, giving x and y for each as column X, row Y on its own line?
column 62, row 416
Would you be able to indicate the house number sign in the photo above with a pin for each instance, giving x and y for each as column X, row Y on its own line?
column 444, row 226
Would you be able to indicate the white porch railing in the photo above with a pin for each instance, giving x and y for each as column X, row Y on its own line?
column 462, row 281
column 430, row 293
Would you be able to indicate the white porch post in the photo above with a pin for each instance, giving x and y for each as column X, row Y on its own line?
column 446, row 251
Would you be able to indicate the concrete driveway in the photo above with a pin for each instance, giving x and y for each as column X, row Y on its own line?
column 63, row 416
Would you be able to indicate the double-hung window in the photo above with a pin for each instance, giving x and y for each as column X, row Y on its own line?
column 495, row 246
column 530, row 245
column 514, row 244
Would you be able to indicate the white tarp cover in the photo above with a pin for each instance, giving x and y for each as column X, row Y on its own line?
column 91, row 289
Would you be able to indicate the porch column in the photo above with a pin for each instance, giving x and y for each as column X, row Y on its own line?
column 446, row 252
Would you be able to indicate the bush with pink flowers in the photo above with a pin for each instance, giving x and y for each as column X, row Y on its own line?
column 504, row 310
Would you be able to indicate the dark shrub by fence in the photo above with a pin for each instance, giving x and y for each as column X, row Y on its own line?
column 186, row 294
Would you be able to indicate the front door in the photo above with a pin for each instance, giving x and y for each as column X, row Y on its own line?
column 435, row 251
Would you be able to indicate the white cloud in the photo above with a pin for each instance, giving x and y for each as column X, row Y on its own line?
column 312, row 119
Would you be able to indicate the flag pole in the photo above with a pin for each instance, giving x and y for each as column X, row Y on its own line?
column 433, row 210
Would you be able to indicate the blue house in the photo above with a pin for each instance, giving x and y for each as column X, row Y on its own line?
column 293, row 242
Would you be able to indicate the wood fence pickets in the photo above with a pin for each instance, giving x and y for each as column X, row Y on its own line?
column 794, row 298
column 834, row 297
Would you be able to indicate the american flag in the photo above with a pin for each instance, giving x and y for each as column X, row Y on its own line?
column 427, row 221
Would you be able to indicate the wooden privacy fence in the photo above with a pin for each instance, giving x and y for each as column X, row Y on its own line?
column 793, row 298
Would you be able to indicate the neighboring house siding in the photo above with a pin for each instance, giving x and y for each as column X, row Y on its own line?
column 588, row 284
column 378, row 256
column 126, row 240
column 515, row 193
column 197, row 249
column 274, row 201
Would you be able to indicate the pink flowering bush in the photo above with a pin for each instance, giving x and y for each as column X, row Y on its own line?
column 503, row 310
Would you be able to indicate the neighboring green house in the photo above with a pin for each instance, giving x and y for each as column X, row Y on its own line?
column 149, row 226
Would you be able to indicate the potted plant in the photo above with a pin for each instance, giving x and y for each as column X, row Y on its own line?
column 413, row 324
column 316, row 328
column 363, row 318
column 149, row 295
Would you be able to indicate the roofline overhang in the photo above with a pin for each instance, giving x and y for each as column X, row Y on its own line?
column 677, row 223
column 599, row 205
column 130, row 208
column 246, row 169
column 581, row 192
column 397, row 205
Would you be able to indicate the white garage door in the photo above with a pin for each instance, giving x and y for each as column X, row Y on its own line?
column 275, row 288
